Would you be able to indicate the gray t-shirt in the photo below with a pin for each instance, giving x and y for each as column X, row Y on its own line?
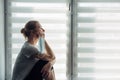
column 24, row 61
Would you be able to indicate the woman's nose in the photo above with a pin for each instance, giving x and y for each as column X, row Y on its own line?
column 41, row 29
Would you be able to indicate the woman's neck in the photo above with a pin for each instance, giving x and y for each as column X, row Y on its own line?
column 33, row 42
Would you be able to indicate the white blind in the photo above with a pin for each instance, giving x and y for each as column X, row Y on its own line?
column 98, row 39
column 52, row 16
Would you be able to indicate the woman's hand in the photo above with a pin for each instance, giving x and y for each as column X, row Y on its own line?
column 42, row 32
column 46, row 70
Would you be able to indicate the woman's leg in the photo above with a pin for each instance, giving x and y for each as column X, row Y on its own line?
column 35, row 73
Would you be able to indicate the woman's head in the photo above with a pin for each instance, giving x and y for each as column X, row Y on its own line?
column 31, row 30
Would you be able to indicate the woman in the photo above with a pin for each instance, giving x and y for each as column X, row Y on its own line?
column 30, row 63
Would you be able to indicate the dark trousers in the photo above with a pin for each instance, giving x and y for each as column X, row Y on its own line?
column 35, row 73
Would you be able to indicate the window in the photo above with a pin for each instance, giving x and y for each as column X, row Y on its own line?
column 93, row 37
column 98, row 39
column 53, row 17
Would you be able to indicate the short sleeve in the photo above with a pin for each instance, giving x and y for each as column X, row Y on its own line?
column 30, row 51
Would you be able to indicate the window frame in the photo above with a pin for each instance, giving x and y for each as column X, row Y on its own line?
column 8, row 46
column 2, row 41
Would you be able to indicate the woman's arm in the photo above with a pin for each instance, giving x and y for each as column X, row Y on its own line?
column 48, row 56
column 46, row 70
column 50, row 53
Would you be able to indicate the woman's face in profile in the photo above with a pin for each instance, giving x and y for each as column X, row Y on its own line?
column 40, row 28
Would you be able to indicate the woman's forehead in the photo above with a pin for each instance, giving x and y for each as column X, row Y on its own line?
column 38, row 24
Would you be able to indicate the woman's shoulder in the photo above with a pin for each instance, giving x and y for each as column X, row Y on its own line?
column 28, row 46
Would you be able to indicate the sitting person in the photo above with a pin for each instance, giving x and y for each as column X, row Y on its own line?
column 30, row 63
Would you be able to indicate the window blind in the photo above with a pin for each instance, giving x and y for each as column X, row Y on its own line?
column 52, row 16
column 98, row 39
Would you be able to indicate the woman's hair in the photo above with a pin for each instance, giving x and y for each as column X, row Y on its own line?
column 31, row 29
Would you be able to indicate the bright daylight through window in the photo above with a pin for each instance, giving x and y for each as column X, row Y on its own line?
column 53, row 18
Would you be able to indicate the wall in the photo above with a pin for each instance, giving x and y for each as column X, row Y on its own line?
column 2, row 52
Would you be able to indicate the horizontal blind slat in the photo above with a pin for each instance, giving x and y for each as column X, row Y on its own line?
column 23, row 20
column 98, row 1
column 37, row 10
column 40, row 1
